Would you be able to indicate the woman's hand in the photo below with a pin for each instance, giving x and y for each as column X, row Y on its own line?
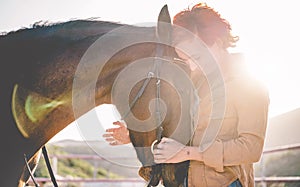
column 170, row 151
column 117, row 136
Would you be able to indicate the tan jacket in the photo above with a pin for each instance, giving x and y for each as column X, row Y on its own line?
column 240, row 140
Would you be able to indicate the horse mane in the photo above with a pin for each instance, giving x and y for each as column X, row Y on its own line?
column 71, row 30
column 30, row 48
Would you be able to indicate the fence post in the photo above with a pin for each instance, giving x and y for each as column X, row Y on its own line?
column 95, row 169
column 262, row 164
column 54, row 165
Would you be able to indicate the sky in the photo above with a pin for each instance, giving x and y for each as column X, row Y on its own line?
column 268, row 31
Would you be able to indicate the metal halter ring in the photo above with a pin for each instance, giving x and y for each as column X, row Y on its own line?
column 152, row 146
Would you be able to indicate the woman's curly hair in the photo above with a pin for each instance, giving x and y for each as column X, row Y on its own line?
column 208, row 24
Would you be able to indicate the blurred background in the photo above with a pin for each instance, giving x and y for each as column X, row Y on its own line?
column 269, row 38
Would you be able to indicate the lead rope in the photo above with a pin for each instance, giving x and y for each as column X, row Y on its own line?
column 157, row 64
column 46, row 157
column 159, row 52
column 30, row 172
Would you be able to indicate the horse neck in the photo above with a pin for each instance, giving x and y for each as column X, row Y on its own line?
column 49, row 104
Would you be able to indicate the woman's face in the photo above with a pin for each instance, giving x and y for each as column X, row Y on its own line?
column 193, row 50
column 183, row 44
column 182, row 41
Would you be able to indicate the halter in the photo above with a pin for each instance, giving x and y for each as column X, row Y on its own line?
column 155, row 71
column 163, row 37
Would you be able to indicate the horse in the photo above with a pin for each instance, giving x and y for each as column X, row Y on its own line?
column 38, row 79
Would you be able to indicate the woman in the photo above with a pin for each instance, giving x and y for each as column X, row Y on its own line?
column 229, row 158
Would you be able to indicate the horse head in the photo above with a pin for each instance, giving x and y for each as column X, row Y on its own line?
column 159, row 106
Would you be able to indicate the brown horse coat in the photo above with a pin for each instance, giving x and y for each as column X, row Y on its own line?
column 37, row 76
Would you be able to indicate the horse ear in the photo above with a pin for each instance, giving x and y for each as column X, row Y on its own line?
column 164, row 26
column 164, row 15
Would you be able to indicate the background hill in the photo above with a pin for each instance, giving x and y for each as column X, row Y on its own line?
column 72, row 167
column 284, row 129
column 117, row 161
